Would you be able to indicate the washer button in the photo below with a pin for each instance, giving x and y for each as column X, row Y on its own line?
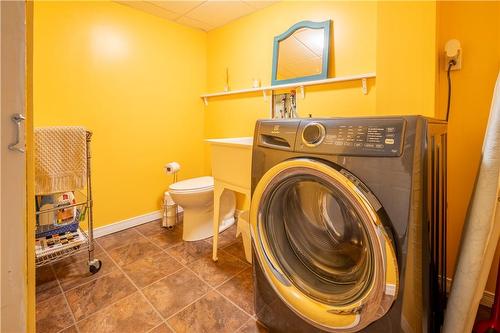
column 313, row 134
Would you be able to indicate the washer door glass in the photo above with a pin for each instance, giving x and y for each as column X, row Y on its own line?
column 322, row 246
column 319, row 239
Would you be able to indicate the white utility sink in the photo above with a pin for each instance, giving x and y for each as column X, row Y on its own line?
column 232, row 161
column 231, row 169
column 242, row 141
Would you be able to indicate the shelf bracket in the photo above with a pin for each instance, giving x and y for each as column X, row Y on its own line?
column 364, row 87
column 205, row 100
column 264, row 94
column 302, row 92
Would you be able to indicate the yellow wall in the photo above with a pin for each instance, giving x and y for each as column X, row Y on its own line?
column 406, row 57
column 134, row 80
column 477, row 26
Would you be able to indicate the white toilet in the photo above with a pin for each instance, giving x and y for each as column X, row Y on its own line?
column 196, row 197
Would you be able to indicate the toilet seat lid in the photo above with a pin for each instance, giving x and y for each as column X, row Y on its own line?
column 200, row 183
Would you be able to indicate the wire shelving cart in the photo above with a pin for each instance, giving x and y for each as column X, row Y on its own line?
column 71, row 237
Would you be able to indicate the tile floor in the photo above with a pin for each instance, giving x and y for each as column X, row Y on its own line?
column 150, row 281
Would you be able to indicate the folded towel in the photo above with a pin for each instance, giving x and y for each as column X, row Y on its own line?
column 60, row 159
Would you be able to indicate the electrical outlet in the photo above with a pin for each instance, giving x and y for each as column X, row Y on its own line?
column 453, row 51
column 458, row 62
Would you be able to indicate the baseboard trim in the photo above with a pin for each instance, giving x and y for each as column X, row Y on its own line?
column 487, row 299
column 128, row 223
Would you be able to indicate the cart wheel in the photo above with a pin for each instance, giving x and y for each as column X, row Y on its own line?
column 95, row 266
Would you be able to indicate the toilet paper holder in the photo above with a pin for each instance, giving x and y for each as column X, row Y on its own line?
column 172, row 168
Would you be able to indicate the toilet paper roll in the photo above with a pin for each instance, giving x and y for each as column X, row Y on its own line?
column 172, row 168
column 167, row 199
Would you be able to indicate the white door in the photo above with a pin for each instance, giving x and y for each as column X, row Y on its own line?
column 13, row 169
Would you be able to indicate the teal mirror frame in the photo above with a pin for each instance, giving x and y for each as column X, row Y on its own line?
column 326, row 51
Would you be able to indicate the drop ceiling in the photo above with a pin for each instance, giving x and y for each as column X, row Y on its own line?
column 204, row 15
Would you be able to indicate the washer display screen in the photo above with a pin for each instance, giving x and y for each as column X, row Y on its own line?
column 319, row 239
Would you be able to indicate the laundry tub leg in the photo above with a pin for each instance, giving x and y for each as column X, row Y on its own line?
column 218, row 190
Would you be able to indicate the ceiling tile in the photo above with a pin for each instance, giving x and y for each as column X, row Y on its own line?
column 179, row 7
column 260, row 4
column 151, row 8
column 217, row 13
column 195, row 23
column 205, row 15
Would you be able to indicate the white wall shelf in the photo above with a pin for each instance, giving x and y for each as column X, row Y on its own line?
column 298, row 85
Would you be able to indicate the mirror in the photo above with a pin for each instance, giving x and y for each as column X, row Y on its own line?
column 301, row 53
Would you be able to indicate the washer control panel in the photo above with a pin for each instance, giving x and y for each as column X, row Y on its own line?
column 355, row 137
